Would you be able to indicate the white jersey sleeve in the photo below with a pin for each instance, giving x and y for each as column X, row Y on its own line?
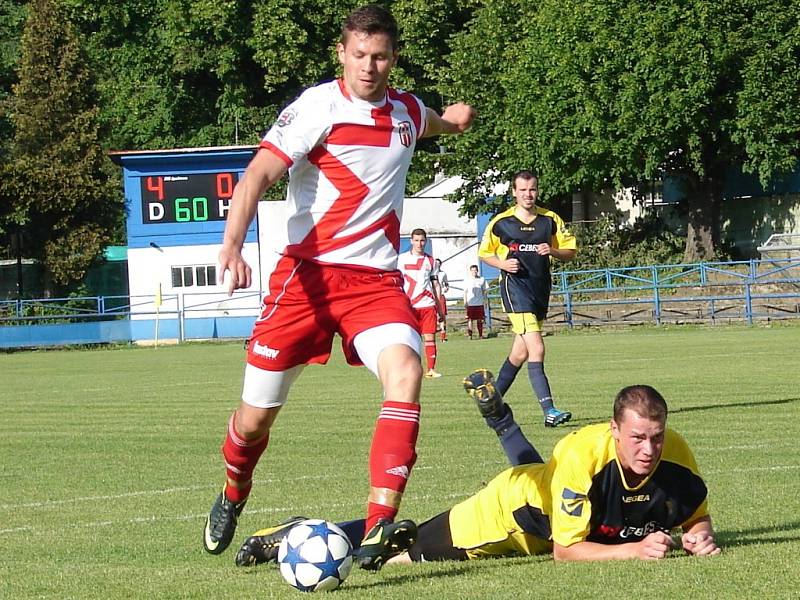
column 299, row 128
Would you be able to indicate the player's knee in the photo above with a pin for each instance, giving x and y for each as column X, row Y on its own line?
column 252, row 422
column 402, row 377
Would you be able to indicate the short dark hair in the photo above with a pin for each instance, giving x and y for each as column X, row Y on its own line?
column 419, row 231
column 644, row 400
column 474, row 267
column 371, row 19
column 525, row 174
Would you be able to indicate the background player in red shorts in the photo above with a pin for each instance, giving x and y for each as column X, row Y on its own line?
column 419, row 276
column 347, row 146
column 475, row 296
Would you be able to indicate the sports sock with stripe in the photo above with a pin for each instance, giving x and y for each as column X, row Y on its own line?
column 241, row 457
column 391, row 458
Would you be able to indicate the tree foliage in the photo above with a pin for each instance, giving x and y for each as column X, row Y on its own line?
column 601, row 93
column 54, row 184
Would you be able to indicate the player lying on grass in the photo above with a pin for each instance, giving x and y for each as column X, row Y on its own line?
column 607, row 492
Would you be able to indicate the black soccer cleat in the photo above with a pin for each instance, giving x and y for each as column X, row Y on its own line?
column 262, row 546
column 555, row 417
column 384, row 541
column 480, row 387
column 221, row 524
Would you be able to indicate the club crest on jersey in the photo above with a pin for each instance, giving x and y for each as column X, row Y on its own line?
column 286, row 117
column 404, row 130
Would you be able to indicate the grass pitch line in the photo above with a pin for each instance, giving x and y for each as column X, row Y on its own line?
column 173, row 490
column 308, row 509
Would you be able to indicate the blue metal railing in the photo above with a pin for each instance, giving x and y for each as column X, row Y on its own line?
column 744, row 290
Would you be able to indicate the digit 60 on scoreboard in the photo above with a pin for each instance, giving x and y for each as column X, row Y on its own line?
column 191, row 198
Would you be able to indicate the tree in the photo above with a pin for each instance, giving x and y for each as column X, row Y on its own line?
column 600, row 93
column 12, row 18
column 55, row 182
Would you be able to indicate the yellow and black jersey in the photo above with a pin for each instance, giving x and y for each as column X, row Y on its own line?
column 580, row 494
column 506, row 236
column 592, row 501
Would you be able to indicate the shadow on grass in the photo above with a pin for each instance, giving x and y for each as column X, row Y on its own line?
column 734, row 405
column 759, row 535
column 393, row 577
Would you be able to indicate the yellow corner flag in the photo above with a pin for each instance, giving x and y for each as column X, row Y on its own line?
column 158, row 300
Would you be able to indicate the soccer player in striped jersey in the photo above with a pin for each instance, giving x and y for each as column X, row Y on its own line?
column 420, row 279
column 347, row 146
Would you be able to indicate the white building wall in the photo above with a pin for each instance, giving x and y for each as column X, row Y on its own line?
column 149, row 267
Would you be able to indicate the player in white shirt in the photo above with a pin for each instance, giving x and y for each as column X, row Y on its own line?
column 347, row 146
column 475, row 296
column 420, row 285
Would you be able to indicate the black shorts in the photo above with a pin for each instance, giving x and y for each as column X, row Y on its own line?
column 435, row 542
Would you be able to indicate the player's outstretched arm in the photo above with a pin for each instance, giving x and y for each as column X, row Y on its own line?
column 263, row 171
column 654, row 546
column 698, row 539
column 456, row 118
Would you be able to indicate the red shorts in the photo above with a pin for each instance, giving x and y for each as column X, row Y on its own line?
column 476, row 313
column 307, row 303
column 427, row 318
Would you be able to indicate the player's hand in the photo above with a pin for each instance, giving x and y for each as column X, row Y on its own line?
column 655, row 546
column 510, row 265
column 231, row 261
column 459, row 117
column 543, row 249
column 700, row 544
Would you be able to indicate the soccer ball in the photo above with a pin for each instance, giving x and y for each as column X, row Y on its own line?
column 315, row 556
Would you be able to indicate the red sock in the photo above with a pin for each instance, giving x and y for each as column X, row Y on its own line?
column 480, row 328
column 430, row 353
column 390, row 459
column 241, row 457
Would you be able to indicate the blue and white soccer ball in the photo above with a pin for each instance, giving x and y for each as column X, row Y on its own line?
column 315, row 556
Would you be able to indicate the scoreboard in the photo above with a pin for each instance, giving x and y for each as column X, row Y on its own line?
column 186, row 198
column 181, row 198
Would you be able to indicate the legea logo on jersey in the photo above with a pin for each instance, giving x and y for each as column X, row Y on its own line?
column 636, row 498
column 404, row 130
column 265, row 351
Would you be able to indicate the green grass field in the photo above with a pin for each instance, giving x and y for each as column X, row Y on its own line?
column 110, row 462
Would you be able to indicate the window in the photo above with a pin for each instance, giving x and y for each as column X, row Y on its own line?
column 197, row 275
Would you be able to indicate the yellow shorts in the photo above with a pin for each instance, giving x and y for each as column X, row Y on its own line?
column 524, row 322
column 484, row 525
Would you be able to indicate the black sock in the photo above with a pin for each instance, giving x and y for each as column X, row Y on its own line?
column 518, row 449
column 354, row 530
column 506, row 376
column 540, row 385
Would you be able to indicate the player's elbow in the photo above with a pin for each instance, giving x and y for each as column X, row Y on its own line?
column 568, row 255
column 562, row 553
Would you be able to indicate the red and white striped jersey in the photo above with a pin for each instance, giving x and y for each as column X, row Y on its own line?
column 348, row 160
column 418, row 272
